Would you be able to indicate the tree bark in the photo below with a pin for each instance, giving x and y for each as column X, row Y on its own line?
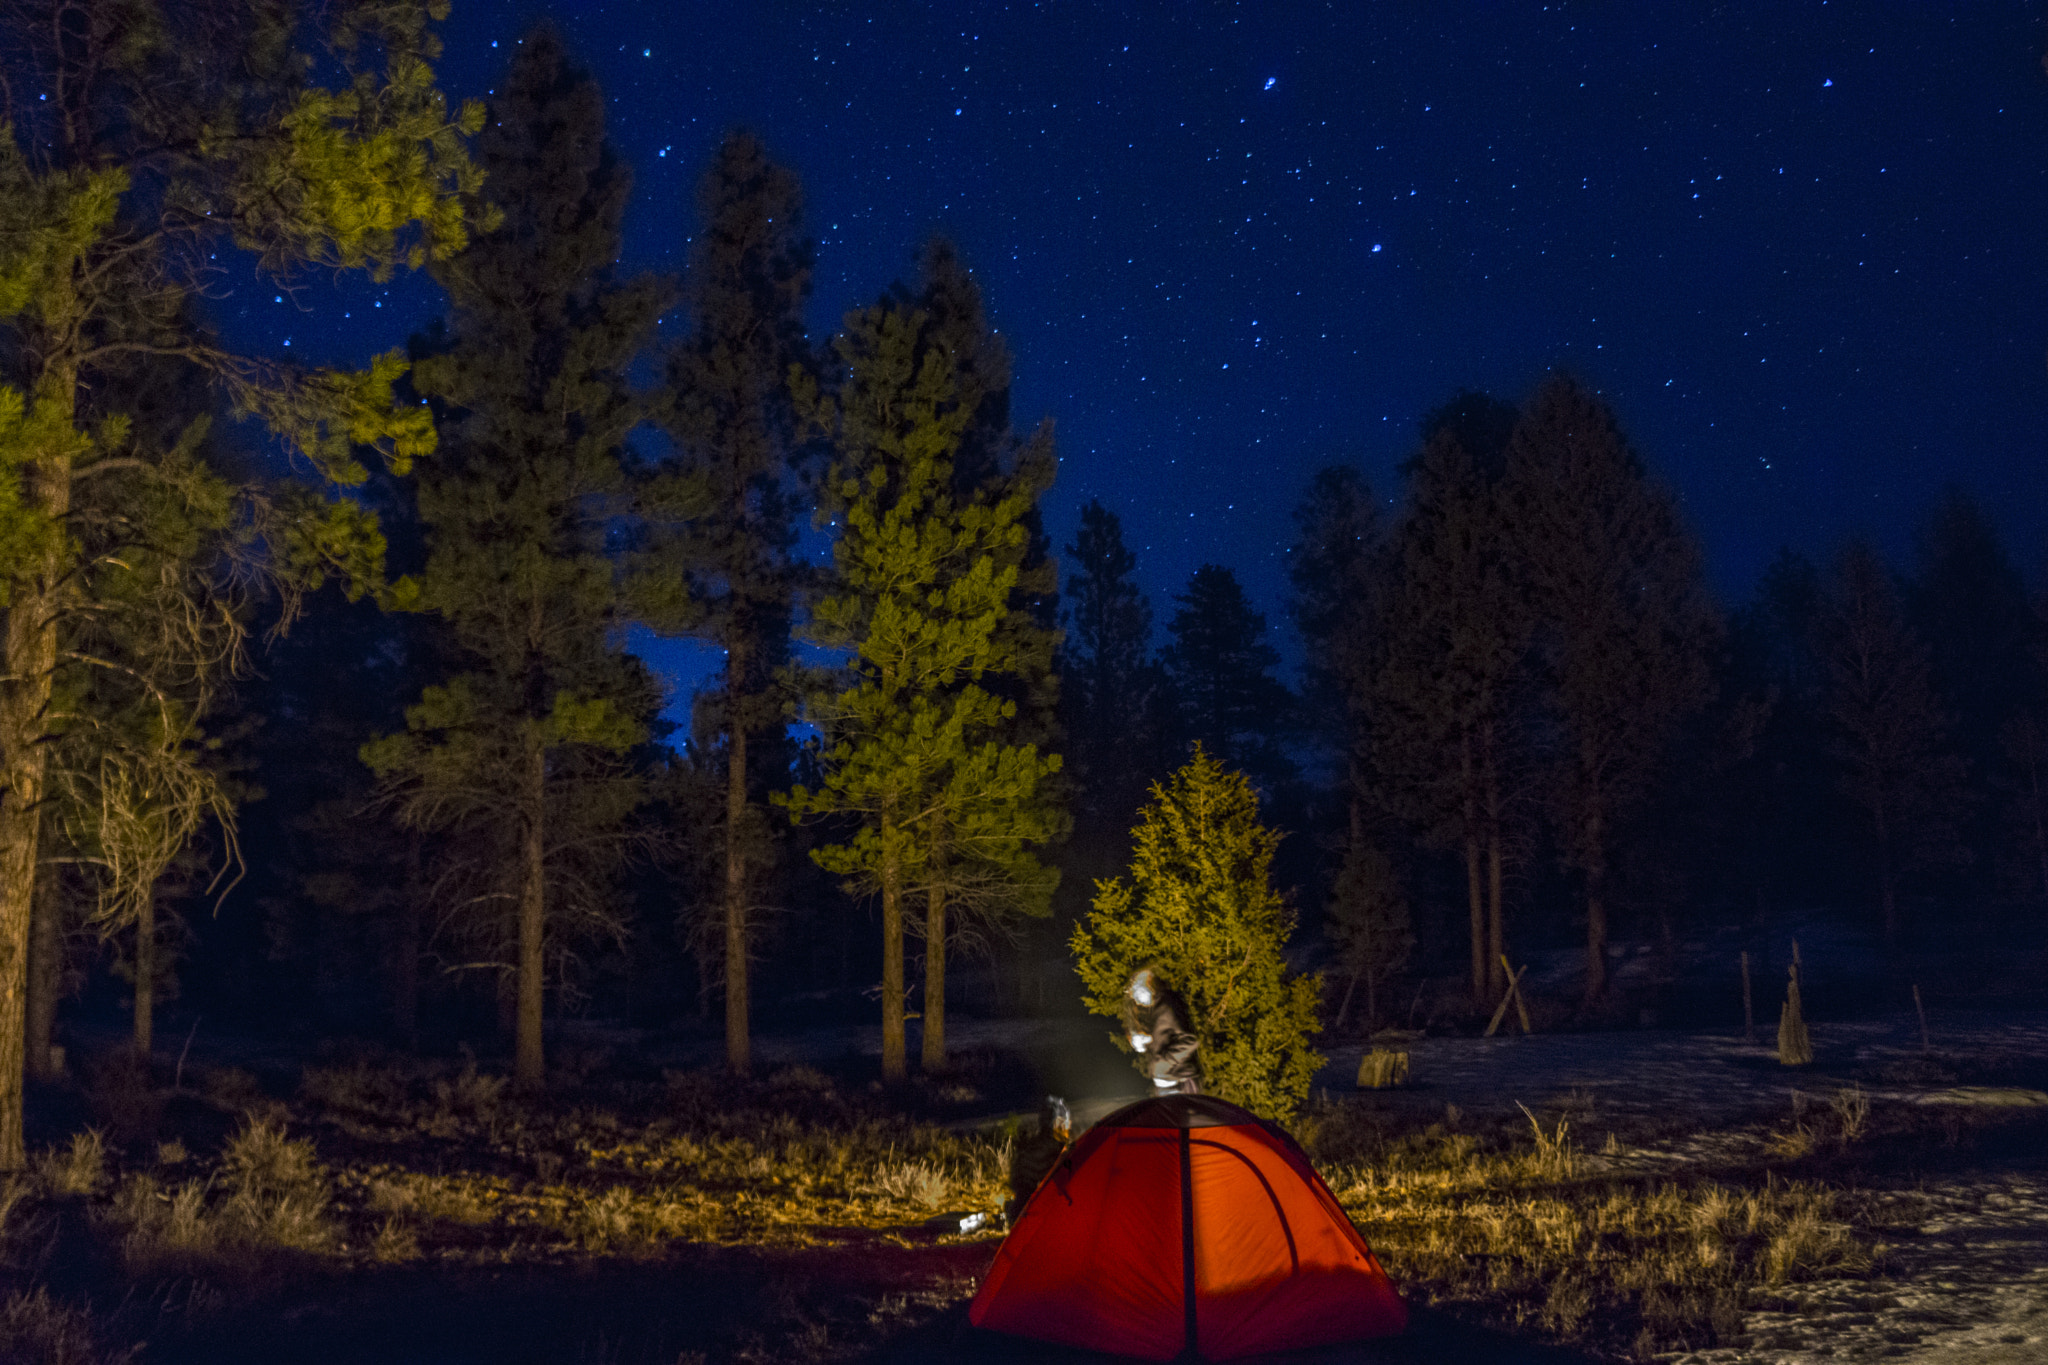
column 2040, row 824
column 894, row 1063
column 1496, row 923
column 145, row 978
column 45, row 975
column 1474, row 896
column 934, row 1058
column 529, row 1068
column 738, row 1041
column 24, row 712
column 1887, row 890
column 1596, row 908
column 405, row 952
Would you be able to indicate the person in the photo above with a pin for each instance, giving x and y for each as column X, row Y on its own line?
column 1156, row 1022
column 1037, row 1153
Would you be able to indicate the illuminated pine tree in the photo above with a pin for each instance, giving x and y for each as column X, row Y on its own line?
column 1200, row 905
column 167, row 144
column 917, row 745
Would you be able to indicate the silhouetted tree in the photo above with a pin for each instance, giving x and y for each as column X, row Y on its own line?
column 1369, row 925
column 1623, row 624
column 729, row 415
column 1890, row 735
column 1337, row 571
column 1111, row 689
column 1451, row 684
column 528, row 736
column 1221, row 669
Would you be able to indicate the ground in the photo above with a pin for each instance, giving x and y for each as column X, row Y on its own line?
column 1643, row 1194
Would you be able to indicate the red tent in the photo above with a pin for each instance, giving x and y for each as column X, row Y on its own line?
column 1185, row 1227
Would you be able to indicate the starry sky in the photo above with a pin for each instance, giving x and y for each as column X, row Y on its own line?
column 1801, row 245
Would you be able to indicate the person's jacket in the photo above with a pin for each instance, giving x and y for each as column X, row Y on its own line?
column 1034, row 1156
column 1170, row 1056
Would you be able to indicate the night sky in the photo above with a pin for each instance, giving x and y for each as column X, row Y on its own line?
column 1800, row 245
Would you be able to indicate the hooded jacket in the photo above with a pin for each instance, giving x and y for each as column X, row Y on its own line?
column 1170, row 1055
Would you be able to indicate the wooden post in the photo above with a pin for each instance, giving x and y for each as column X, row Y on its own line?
column 1748, row 1011
column 1512, row 996
column 1921, row 1010
column 1515, row 988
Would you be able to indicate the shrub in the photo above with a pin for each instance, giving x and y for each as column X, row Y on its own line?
column 1200, row 904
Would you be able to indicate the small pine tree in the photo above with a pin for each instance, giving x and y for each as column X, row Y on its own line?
column 1369, row 925
column 1201, row 905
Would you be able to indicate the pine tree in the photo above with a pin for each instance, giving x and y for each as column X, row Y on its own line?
column 994, row 463
column 1337, row 571
column 1112, row 688
column 915, row 740
column 1890, row 733
column 1369, row 926
column 1624, row 624
column 1769, row 793
column 1221, row 669
column 526, row 738
column 1451, row 687
column 159, row 151
column 1201, row 906
column 730, row 418
column 1969, row 605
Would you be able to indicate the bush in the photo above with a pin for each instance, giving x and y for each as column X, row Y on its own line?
column 1200, row 904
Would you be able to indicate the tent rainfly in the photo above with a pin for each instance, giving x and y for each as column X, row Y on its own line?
column 1186, row 1228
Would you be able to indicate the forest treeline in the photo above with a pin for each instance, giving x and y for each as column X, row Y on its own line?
column 364, row 747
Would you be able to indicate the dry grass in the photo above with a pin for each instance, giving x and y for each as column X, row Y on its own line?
column 1508, row 1222
column 268, row 1194
column 77, row 1170
column 36, row 1329
column 1525, row 1232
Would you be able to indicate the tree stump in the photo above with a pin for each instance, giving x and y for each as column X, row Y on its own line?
column 1795, row 1045
column 1382, row 1070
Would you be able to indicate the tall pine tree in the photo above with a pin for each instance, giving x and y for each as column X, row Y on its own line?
column 1890, row 733
column 730, row 418
column 1451, row 688
column 164, row 144
column 1623, row 625
column 1221, row 670
column 916, row 744
column 1111, row 687
column 1337, row 573
column 525, row 737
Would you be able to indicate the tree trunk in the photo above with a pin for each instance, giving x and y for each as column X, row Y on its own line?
column 145, row 978
column 1344, row 1006
column 1887, row 890
column 1596, row 909
column 2040, row 825
column 405, row 953
column 1496, row 923
column 1474, row 896
column 45, row 974
column 24, row 706
column 738, row 1041
column 529, row 1068
column 894, row 1064
column 934, row 1059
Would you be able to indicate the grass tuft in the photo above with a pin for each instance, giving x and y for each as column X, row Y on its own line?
column 77, row 1170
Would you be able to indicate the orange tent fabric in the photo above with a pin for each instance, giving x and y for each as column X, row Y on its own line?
column 1186, row 1228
